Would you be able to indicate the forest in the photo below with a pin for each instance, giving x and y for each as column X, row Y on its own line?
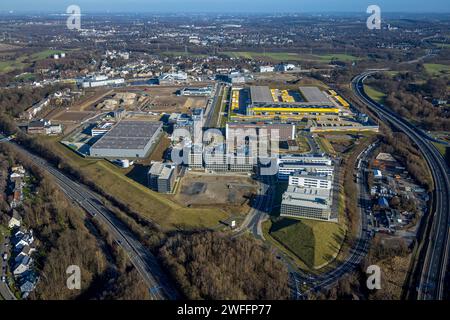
column 211, row 265
column 411, row 97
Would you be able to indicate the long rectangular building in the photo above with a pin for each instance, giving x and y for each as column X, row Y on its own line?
column 287, row 169
column 128, row 139
column 285, row 131
column 306, row 158
column 264, row 102
column 309, row 203
column 311, row 180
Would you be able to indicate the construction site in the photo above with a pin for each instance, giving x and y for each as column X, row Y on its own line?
column 231, row 193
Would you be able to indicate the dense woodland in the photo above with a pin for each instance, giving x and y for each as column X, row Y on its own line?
column 210, row 265
column 15, row 101
column 409, row 96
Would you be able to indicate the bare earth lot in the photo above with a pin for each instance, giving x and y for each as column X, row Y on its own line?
column 73, row 116
column 228, row 192
column 164, row 99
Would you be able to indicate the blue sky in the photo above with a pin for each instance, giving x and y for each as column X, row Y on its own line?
column 226, row 5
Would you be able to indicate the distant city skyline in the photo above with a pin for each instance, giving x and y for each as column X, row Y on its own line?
column 226, row 6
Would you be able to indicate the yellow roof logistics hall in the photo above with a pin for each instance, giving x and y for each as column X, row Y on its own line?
column 274, row 102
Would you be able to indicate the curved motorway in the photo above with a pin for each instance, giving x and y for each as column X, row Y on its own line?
column 432, row 282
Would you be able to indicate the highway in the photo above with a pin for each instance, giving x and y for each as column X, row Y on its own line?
column 432, row 283
column 160, row 286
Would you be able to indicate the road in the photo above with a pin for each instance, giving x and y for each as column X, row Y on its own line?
column 212, row 108
column 160, row 286
column 358, row 251
column 315, row 149
column 5, row 292
column 262, row 205
column 433, row 270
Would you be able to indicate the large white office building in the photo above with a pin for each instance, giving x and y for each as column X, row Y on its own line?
column 309, row 203
column 315, row 164
column 306, row 158
column 287, row 169
column 311, row 180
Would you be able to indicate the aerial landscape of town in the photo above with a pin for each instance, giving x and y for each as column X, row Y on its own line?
column 150, row 154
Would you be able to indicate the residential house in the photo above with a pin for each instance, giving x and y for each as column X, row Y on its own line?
column 23, row 266
column 25, row 252
column 15, row 221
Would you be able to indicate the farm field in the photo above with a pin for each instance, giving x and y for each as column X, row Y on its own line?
column 436, row 69
column 286, row 56
column 20, row 62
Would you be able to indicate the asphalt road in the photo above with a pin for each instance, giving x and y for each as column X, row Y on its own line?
column 359, row 250
column 212, row 108
column 260, row 208
column 433, row 270
column 160, row 286
column 263, row 204
column 5, row 292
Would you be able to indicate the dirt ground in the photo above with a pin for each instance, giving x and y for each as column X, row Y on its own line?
column 72, row 116
column 164, row 99
column 231, row 193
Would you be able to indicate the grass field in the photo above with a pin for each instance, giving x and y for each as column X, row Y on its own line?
column 286, row 56
column 303, row 144
column 19, row 63
column 151, row 205
column 376, row 95
column 316, row 243
column 326, row 146
column 436, row 69
column 441, row 45
column 441, row 148
column 183, row 54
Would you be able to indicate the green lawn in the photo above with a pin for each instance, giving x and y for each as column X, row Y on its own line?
column 287, row 56
column 315, row 243
column 436, row 69
column 441, row 148
column 376, row 95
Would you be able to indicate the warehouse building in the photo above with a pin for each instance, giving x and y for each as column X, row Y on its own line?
column 288, row 103
column 128, row 139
